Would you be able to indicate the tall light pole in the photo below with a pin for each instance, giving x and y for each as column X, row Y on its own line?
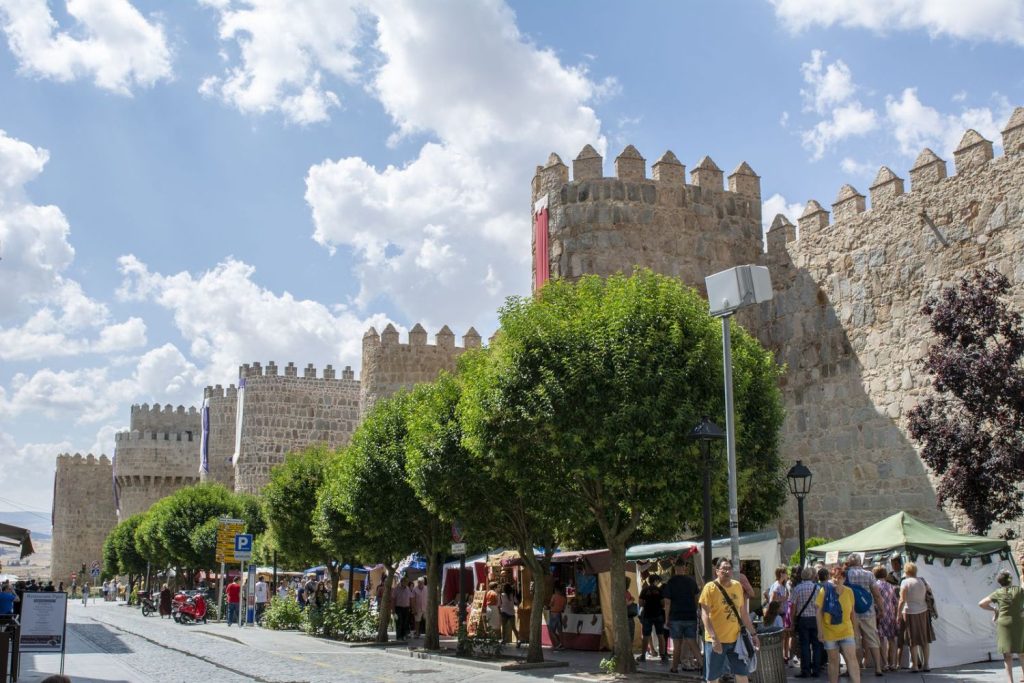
column 800, row 485
column 704, row 434
column 729, row 291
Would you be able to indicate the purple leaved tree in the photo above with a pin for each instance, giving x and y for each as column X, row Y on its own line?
column 972, row 426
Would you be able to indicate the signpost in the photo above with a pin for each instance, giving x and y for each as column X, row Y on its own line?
column 227, row 529
column 459, row 548
column 44, row 623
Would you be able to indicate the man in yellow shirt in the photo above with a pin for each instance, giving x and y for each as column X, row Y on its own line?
column 721, row 627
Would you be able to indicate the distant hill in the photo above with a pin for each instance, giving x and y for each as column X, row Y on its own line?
column 37, row 523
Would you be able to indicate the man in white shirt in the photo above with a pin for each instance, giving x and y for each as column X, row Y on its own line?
column 419, row 607
column 262, row 593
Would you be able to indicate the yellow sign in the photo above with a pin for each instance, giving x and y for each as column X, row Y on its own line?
column 226, row 530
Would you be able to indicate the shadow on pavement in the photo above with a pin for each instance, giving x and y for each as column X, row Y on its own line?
column 100, row 636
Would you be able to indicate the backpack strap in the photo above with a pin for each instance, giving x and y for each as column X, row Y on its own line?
column 814, row 592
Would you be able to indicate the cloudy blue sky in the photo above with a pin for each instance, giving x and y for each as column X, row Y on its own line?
column 187, row 186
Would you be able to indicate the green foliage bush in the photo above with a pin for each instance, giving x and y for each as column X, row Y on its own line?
column 794, row 559
column 337, row 622
column 283, row 614
column 485, row 643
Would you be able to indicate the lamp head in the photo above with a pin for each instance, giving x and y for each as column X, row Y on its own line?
column 799, row 478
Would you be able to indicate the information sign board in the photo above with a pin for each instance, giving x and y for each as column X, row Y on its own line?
column 227, row 529
column 43, row 618
column 243, row 546
column 458, row 548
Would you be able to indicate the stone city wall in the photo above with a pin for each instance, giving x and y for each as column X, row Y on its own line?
column 149, row 466
column 221, row 437
column 601, row 226
column 83, row 513
column 846, row 314
column 389, row 365
column 285, row 413
column 846, row 320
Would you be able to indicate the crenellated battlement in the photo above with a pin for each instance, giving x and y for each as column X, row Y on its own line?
column 218, row 391
column 929, row 179
column 65, row 460
column 255, row 369
column 417, row 337
column 167, row 418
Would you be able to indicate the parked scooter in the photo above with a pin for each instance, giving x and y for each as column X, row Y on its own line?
column 187, row 609
column 148, row 606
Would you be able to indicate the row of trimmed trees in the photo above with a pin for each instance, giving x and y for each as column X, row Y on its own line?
column 570, row 430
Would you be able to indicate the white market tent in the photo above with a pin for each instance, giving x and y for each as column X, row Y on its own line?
column 960, row 569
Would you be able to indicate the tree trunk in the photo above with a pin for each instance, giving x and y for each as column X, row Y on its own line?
column 539, row 569
column 623, row 646
column 384, row 610
column 435, row 561
column 335, row 572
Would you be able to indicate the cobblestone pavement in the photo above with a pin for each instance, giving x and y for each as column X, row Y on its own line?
column 108, row 642
column 157, row 650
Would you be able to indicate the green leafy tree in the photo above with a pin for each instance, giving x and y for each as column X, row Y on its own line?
column 457, row 477
column 289, row 503
column 120, row 552
column 598, row 386
column 147, row 537
column 367, row 485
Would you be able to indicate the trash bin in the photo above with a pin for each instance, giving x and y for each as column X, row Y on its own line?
column 771, row 666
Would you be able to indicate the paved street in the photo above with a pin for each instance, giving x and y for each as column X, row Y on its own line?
column 109, row 642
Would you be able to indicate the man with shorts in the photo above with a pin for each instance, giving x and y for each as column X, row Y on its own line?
column 556, row 605
column 721, row 627
column 679, row 597
column 867, row 629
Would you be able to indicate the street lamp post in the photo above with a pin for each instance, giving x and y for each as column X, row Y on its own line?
column 800, row 485
column 729, row 291
column 704, row 433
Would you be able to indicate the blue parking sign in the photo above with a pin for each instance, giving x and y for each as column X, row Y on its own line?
column 243, row 543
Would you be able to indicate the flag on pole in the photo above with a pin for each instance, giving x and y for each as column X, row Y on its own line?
column 204, row 440
column 238, row 420
column 117, row 487
column 541, row 262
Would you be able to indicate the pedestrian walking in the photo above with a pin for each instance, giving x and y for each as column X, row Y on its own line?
column 85, row 594
column 652, row 618
column 165, row 601
column 1007, row 605
column 679, row 605
column 419, row 606
column 723, row 610
column 234, row 593
column 402, row 599
column 913, row 611
column 262, row 594
column 556, row 605
column 867, row 624
column 837, row 624
column 888, row 629
column 507, row 603
column 804, row 617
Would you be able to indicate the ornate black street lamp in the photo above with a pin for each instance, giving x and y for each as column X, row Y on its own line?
column 800, row 485
column 704, row 434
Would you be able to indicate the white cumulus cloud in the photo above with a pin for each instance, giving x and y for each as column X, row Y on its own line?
column 830, row 94
column 110, row 42
column 285, row 48
column 44, row 313
column 229, row 319
column 448, row 231
column 776, row 204
column 916, row 125
column 976, row 20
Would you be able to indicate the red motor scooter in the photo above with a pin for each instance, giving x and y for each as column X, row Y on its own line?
column 187, row 609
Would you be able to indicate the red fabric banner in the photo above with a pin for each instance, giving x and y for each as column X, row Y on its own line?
column 541, row 263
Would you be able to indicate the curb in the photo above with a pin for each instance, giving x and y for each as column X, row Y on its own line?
column 476, row 663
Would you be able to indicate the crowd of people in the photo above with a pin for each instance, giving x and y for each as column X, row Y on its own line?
column 879, row 619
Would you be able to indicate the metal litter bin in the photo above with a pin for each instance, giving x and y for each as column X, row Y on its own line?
column 771, row 666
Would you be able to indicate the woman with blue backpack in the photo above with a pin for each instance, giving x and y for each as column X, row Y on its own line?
column 837, row 623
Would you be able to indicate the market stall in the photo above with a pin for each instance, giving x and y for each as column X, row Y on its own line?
column 960, row 570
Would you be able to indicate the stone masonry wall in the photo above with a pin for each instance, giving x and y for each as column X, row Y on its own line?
column 601, row 225
column 83, row 513
column 846, row 320
column 221, row 437
column 389, row 365
column 152, row 465
column 284, row 413
column 846, row 314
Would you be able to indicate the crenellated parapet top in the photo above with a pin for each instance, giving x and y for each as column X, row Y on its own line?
column 168, row 418
column 972, row 154
column 154, row 438
column 630, row 166
column 65, row 460
column 218, row 391
column 271, row 369
column 417, row 337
